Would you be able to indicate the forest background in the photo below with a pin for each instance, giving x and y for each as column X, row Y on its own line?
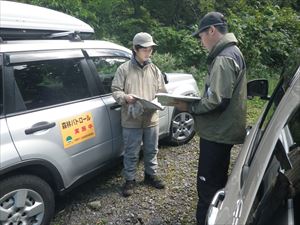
column 268, row 31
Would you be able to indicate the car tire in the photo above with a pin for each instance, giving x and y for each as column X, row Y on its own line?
column 294, row 173
column 181, row 129
column 26, row 199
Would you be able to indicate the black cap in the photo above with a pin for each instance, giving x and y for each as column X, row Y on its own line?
column 210, row 19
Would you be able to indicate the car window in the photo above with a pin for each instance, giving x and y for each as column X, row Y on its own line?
column 274, row 187
column 45, row 83
column 267, row 116
column 106, row 69
column 271, row 108
column 294, row 125
column 1, row 91
column 265, row 205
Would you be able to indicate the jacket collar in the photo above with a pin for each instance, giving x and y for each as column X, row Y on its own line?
column 135, row 62
column 227, row 40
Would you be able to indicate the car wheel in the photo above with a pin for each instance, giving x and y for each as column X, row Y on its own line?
column 25, row 199
column 182, row 128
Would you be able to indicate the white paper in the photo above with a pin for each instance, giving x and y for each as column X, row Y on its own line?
column 169, row 99
column 154, row 104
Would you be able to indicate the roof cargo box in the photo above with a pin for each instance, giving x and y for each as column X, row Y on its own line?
column 24, row 21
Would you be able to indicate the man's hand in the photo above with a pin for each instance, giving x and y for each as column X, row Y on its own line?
column 130, row 99
column 181, row 105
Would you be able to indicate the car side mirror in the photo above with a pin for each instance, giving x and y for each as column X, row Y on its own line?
column 165, row 78
column 259, row 88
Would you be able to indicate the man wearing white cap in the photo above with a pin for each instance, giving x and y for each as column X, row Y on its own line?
column 139, row 77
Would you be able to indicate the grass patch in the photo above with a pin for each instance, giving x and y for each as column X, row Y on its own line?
column 254, row 108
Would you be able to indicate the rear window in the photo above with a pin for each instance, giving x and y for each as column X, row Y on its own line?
column 46, row 83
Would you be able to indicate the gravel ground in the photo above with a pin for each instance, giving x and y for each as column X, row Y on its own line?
column 99, row 201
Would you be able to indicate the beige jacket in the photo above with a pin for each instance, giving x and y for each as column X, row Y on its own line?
column 144, row 82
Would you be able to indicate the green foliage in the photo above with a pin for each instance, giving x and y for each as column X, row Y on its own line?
column 165, row 62
column 75, row 8
column 262, row 71
column 182, row 46
column 254, row 108
column 174, row 13
column 268, row 30
column 267, row 33
column 104, row 11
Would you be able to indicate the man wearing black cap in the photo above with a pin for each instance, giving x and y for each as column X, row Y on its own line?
column 221, row 113
column 139, row 77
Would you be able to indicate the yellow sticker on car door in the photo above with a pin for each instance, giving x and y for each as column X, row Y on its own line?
column 77, row 129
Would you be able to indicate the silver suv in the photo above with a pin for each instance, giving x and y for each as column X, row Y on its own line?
column 59, row 123
column 264, row 185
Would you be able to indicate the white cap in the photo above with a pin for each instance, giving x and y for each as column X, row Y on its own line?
column 143, row 39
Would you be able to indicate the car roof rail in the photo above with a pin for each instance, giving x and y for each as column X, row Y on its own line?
column 70, row 35
column 21, row 34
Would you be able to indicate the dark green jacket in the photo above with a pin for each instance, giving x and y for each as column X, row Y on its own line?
column 221, row 114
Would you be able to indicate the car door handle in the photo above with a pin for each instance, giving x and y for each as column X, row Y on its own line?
column 116, row 106
column 219, row 197
column 39, row 126
column 213, row 209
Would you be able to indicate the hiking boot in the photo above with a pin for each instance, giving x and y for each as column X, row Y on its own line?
column 154, row 181
column 128, row 187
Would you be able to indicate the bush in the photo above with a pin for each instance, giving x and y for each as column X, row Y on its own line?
column 268, row 30
column 181, row 45
column 166, row 62
column 267, row 34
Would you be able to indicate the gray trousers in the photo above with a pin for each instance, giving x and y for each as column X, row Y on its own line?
column 132, row 140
